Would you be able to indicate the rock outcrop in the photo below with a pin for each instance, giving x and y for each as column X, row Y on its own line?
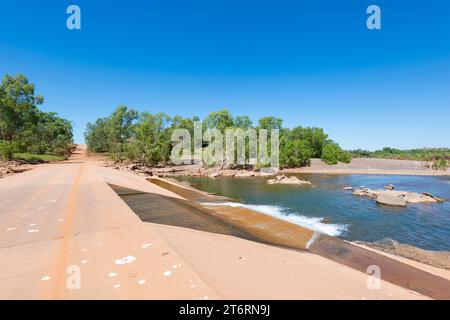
column 396, row 198
column 391, row 200
column 282, row 179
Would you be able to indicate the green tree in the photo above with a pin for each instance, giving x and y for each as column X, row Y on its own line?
column 220, row 120
column 270, row 123
column 23, row 127
column 295, row 153
column 18, row 106
column 152, row 138
column 332, row 154
column 96, row 136
column 242, row 122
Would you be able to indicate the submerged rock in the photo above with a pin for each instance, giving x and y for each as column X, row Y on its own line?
column 282, row 179
column 326, row 220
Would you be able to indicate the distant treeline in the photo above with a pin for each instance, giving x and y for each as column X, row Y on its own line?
column 26, row 129
column 439, row 156
column 146, row 138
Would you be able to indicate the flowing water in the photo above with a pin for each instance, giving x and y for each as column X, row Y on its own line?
column 426, row 226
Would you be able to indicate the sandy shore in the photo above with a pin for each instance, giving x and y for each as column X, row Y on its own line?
column 372, row 166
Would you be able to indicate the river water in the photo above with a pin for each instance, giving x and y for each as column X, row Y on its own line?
column 352, row 218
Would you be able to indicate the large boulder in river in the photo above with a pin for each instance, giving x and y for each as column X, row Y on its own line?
column 413, row 197
column 390, row 197
column 391, row 200
column 282, row 179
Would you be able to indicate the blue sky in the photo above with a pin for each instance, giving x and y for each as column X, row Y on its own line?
column 311, row 63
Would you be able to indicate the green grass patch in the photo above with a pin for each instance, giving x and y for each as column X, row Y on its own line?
column 37, row 158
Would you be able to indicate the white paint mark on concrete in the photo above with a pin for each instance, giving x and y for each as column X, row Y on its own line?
column 146, row 245
column 84, row 261
column 167, row 273
column 125, row 260
column 33, row 231
column 112, row 274
column 9, row 229
column 32, row 224
column 117, row 286
column 45, row 278
column 141, row 282
column 312, row 240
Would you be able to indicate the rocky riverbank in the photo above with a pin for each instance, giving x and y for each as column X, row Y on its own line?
column 438, row 259
column 8, row 168
column 186, row 170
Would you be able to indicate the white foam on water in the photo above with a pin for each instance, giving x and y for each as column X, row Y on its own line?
column 312, row 223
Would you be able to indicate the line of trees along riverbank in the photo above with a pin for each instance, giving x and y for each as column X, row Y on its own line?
column 26, row 129
column 439, row 156
column 146, row 138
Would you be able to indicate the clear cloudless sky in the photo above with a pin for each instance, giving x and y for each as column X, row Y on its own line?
column 309, row 62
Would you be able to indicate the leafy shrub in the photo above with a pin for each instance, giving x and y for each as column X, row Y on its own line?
column 296, row 153
column 332, row 154
column 440, row 164
column 6, row 150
